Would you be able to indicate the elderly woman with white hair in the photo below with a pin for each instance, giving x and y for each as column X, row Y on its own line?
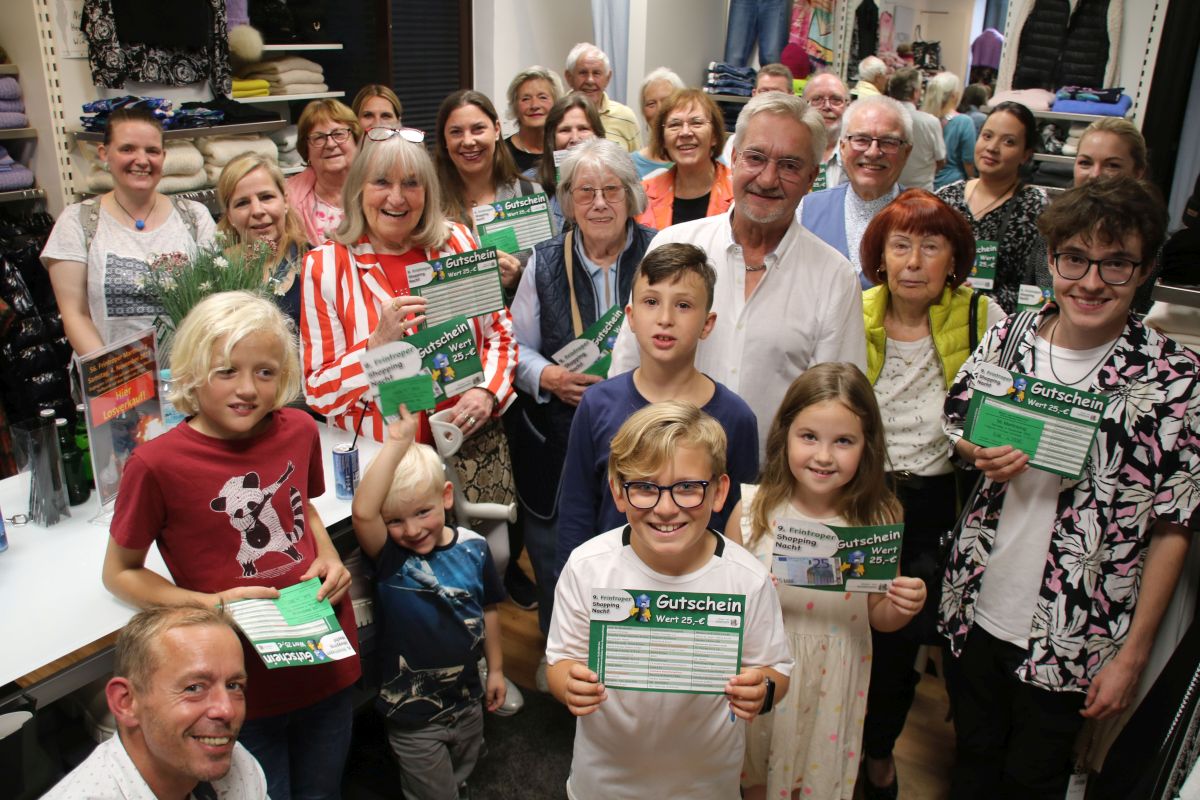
column 570, row 282
column 657, row 86
column 872, row 77
column 531, row 94
column 943, row 93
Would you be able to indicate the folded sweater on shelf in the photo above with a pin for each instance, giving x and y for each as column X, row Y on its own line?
column 9, row 88
column 13, row 119
column 285, row 137
column 1117, row 109
column 99, row 181
column 220, row 150
column 299, row 88
column 291, row 76
column 181, row 157
column 249, row 85
column 1033, row 99
column 239, row 93
column 15, row 176
column 290, row 158
column 17, row 105
column 276, row 66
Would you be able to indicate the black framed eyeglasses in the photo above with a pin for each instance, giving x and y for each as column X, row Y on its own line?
column 382, row 134
column 645, row 495
column 1113, row 271
column 338, row 135
column 888, row 145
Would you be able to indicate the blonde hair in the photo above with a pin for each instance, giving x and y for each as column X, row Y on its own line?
column 651, row 435
column 379, row 160
column 866, row 498
column 535, row 73
column 231, row 175
column 1126, row 130
column 319, row 111
column 942, row 94
column 136, row 653
column 229, row 317
column 375, row 90
column 419, row 472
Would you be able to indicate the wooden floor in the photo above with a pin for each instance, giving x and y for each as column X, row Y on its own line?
column 923, row 754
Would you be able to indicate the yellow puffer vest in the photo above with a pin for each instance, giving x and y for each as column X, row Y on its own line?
column 948, row 319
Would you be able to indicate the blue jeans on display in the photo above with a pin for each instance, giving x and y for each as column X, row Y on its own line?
column 303, row 752
column 765, row 20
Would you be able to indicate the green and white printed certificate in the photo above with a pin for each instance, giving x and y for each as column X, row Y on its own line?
column 1054, row 425
column 840, row 559
column 591, row 353
column 983, row 271
column 655, row 641
column 464, row 284
column 294, row 630
column 516, row 224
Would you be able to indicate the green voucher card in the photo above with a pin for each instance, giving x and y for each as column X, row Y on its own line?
column 1054, row 425
column 655, row 641
column 1031, row 297
column 983, row 272
column 591, row 353
column 840, row 559
column 465, row 284
column 516, row 224
column 422, row 369
column 294, row 630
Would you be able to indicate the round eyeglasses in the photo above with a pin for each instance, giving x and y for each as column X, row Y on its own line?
column 382, row 134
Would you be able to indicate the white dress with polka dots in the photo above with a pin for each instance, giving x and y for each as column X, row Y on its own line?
column 811, row 742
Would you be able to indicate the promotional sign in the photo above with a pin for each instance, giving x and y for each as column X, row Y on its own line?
column 423, row 369
column 120, row 395
column 293, row 630
column 464, row 284
column 1031, row 297
column 656, row 641
column 1053, row 424
column 516, row 224
column 983, row 272
column 843, row 559
column 591, row 353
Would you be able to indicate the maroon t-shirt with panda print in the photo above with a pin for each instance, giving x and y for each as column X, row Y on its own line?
column 228, row 513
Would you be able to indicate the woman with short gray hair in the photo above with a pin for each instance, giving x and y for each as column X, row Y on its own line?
column 531, row 93
column 657, row 86
column 570, row 282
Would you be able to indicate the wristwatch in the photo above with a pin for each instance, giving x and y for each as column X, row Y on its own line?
column 769, row 699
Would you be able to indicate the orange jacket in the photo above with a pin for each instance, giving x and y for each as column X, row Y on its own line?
column 660, row 192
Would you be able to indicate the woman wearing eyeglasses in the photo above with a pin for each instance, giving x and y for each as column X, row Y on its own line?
column 571, row 281
column 1002, row 209
column 689, row 131
column 327, row 138
column 476, row 169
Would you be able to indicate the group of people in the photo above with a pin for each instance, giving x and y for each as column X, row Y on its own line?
column 786, row 352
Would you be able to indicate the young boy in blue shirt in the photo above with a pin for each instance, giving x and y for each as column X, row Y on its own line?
column 669, row 312
column 437, row 591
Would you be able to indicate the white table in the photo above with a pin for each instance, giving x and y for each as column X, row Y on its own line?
column 52, row 601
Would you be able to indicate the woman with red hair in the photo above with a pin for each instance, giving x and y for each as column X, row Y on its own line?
column 922, row 323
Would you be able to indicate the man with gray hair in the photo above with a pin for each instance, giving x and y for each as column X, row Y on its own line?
column 588, row 73
column 826, row 93
column 874, row 149
column 928, row 146
column 178, row 693
column 784, row 299
column 872, row 77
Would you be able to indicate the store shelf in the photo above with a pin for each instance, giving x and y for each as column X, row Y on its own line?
column 192, row 133
column 1053, row 159
column 21, row 194
column 729, row 98
column 1180, row 295
column 1067, row 117
column 9, row 69
column 18, row 133
column 288, row 98
column 299, row 48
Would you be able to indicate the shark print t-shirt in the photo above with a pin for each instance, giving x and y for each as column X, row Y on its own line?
column 431, row 608
column 231, row 512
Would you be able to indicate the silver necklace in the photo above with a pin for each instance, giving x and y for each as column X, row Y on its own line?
column 1054, row 372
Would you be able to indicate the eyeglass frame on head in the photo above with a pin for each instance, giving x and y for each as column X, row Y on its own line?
column 782, row 165
column 1099, row 264
column 337, row 136
column 592, row 191
column 884, row 142
column 670, row 490
column 413, row 135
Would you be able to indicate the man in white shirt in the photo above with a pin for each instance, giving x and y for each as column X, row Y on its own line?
column 588, row 73
column 874, row 150
column 784, row 300
column 178, row 695
column 928, row 146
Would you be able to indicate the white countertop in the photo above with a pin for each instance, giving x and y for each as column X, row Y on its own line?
column 51, row 598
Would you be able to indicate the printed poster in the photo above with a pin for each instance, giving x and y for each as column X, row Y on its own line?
column 841, row 559
column 983, row 271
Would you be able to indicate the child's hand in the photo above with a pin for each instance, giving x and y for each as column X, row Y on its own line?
column 243, row 593
column 497, row 689
column 585, row 693
column 907, row 595
column 335, row 578
column 403, row 430
column 746, row 692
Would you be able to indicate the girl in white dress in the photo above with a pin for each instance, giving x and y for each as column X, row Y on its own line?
column 825, row 463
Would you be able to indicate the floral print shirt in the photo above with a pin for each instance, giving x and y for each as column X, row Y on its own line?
column 1144, row 468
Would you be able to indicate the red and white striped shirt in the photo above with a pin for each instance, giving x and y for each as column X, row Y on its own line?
column 343, row 293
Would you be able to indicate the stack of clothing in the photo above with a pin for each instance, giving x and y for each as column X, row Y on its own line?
column 1103, row 102
column 250, row 88
column 13, row 176
column 12, row 107
column 285, row 141
column 287, row 75
column 220, row 150
column 162, row 110
column 183, row 168
column 1074, row 133
column 727, row 79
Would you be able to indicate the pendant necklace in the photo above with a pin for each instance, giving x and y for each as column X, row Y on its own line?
column 1091, row 369
column 983, row 212
column 140, row 224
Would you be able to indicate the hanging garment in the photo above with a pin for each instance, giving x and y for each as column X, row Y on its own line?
column 820, row 35
column 115, row 59
column 1061, row 45
column 985, row 50
column 866, row 30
